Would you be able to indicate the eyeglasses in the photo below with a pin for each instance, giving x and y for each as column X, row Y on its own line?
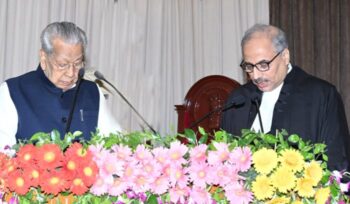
column 65, row 66
column 261, row 66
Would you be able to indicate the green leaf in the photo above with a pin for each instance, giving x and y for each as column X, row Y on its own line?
column 325, row 157
column 271, row 139
column 306, row 148
column 40, row 136
column 317, row 149
column 203, row 139
column 152, row 199
column 201, row 131
column 301, row 144
column 55, row 135
column 309, row 156
column 334, row 190
column 294, row 138
column 191, row 136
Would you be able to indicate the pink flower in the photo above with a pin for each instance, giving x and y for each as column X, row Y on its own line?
column 176, row 153
column 141, row 182
column 178, row 194
column 109, row 165
column 118, row 187
column 152, row 168
column 219, row 175
column 160, row 185
column 199, row 174
column 167, row 170
column 236, row 193
column 98, row 153
column 131, row 169
column 178, row 176
column 142, row 154
column 198, row 153
column 241, row 157
column 200, row 195
column 101, row 185
column 161, row 155
column 122, row 152
column 220, row 155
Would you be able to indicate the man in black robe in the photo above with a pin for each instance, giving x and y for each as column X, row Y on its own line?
column 288, row 97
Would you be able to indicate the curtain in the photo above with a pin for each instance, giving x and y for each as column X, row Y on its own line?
column 319, row 38
column 151, row 50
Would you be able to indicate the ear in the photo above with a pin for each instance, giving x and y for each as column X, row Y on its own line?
column 43, row 59
column 286, row 56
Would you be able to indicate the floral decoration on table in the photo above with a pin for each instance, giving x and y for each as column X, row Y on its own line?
column 141, row 167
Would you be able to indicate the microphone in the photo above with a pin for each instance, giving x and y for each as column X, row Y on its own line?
column 255, row 100
column 100, row 76
column 236, row 101
column 70, row 117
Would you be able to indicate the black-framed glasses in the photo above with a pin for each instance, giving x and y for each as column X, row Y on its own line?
column 261, row 66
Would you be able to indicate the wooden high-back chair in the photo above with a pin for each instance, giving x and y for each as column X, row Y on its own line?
column 204, row 96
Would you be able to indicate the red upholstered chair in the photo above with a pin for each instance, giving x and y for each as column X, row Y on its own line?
column 205, row 95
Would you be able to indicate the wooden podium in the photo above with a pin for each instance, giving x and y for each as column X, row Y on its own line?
column 206, row 95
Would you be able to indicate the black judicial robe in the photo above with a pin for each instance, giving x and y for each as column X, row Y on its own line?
column 42, row 107
column 307, row 106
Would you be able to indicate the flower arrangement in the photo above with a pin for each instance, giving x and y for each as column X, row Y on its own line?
column 141, row 167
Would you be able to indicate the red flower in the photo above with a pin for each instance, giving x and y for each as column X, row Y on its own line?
column 3, row 160
column 34, row 174
column 73, row 163
column 4, row 169
column 76, row 150
column 26, row 155
column 78, row 187
column 18, row 182
column 88, row 173
column 53, row 181
column 10, row 166
column 50, row 156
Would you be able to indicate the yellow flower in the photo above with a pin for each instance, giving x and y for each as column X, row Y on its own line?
column 314, row 172
column 265, row 160
column 292, row 159
column 322, row 195
column 297, row 202
column 279, row 200
column 262, row 188
column 304, row 187
column 283, row 179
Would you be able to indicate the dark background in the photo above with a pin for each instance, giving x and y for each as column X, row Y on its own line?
column 318, row 32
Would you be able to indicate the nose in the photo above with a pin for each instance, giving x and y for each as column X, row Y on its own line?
column 255, row 74
column 71, row 71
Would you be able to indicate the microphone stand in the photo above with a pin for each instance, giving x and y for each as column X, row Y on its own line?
column 205, row 116
column 70, row 117
column 236, row 101
column 101, row 77
column 256, row 102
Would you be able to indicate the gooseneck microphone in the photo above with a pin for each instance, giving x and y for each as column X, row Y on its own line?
column 255, row 100
column 100, row 76
column 236, row 101
column 70, row 117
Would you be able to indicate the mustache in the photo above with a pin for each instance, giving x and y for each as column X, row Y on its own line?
column 260, row 80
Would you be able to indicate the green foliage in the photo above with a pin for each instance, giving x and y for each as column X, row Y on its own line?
column 255, row 141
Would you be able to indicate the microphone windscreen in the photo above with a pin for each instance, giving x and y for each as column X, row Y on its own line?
column 81, row 73
column 255, row 97
column 99, row 75
column 238, row 100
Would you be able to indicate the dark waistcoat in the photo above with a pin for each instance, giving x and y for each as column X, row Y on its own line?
column 41, row 106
